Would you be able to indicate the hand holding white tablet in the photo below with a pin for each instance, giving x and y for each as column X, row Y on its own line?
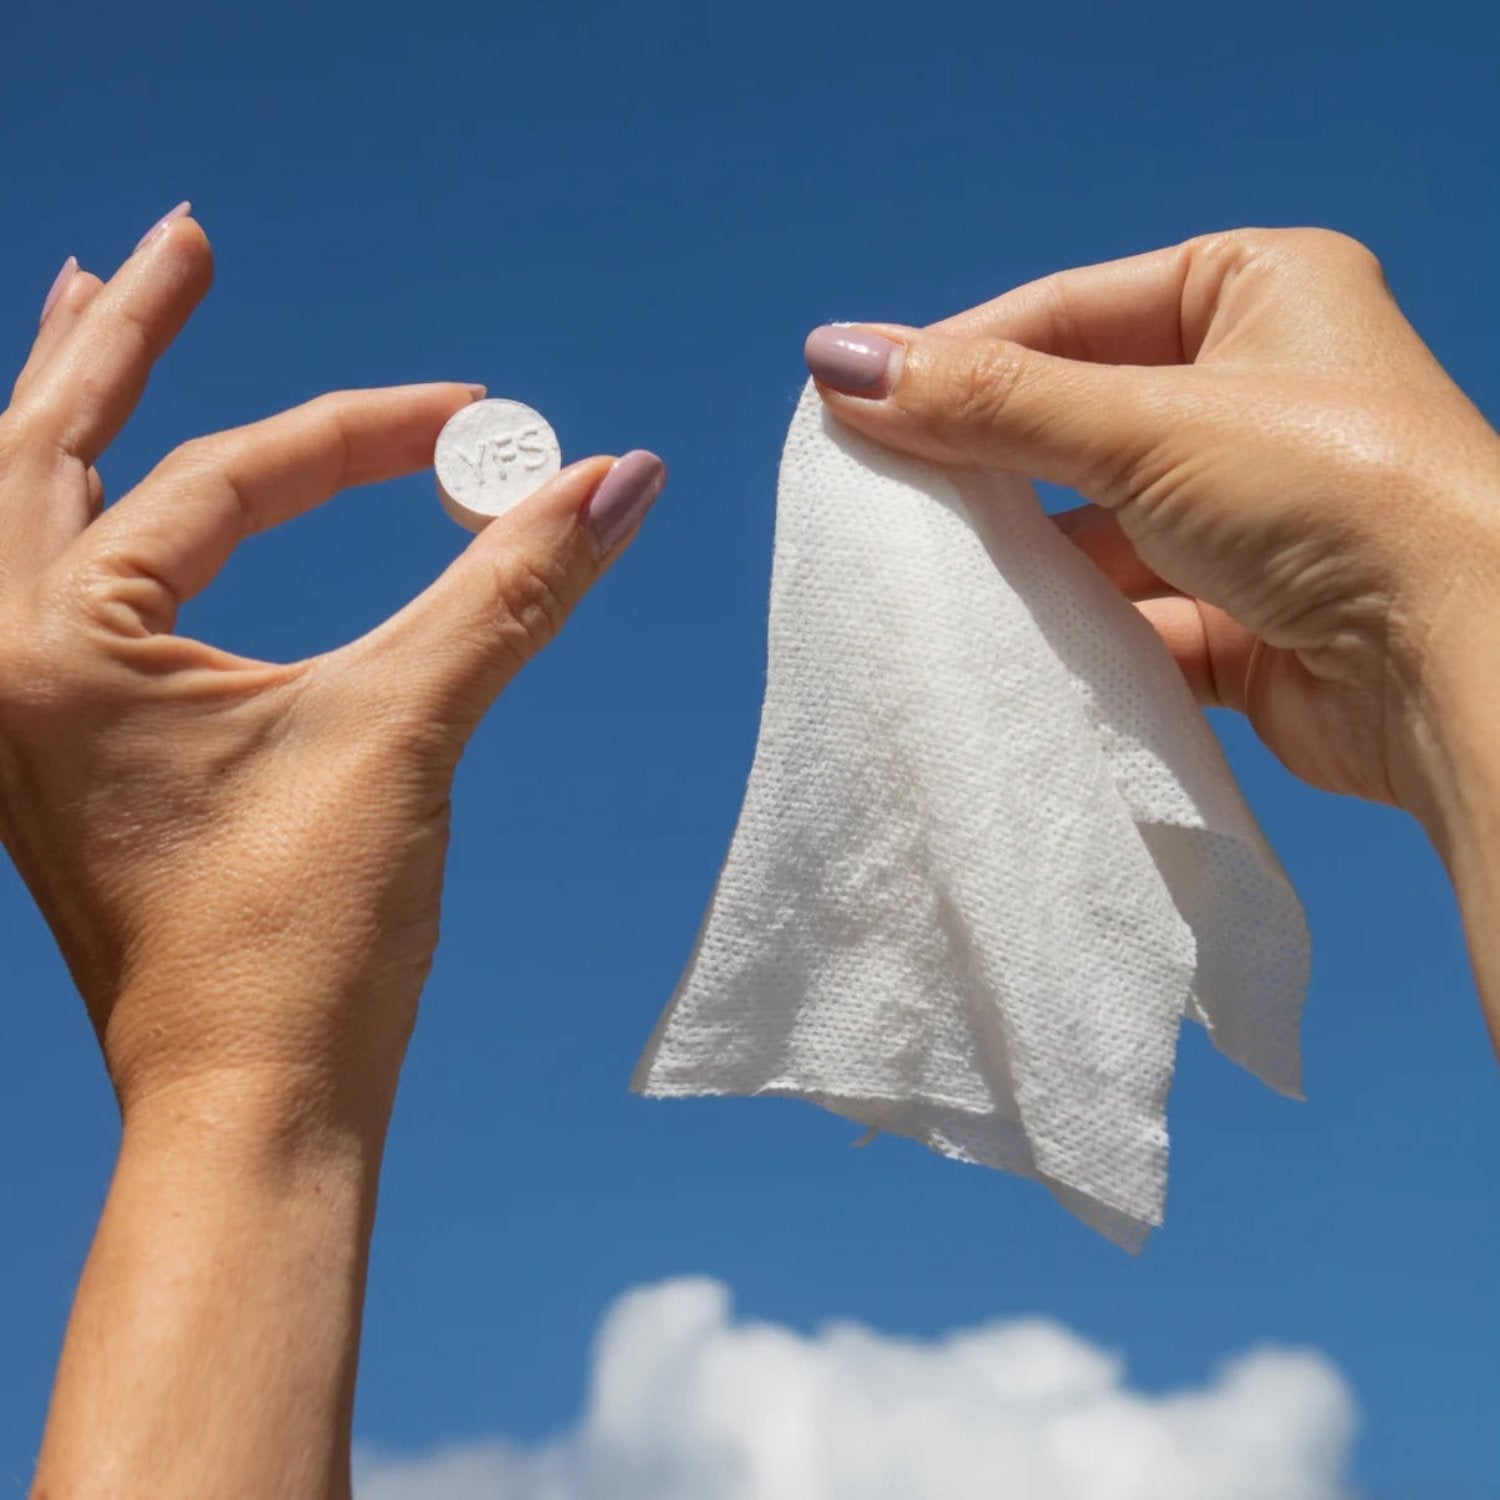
column 242, row 860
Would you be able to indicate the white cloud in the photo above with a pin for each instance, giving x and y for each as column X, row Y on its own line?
column 687, row 1404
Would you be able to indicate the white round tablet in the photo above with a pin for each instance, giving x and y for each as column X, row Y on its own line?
column 491, row 456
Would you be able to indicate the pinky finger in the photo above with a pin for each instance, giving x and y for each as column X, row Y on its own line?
column 1098, row 535
column 71, row 294
column 1211, row 650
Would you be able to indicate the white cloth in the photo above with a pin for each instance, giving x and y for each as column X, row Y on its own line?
column 990, row 852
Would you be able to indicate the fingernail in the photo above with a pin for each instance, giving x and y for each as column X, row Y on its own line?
column 58, row 287
column 478, row 392
column 853, row 360
column 181, row 211
column 624, row 495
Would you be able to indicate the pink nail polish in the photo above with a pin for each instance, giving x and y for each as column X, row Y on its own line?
column 58, row 287
column 1071, row 522
column 181, row 211
column 624, row 495
column 853, row 360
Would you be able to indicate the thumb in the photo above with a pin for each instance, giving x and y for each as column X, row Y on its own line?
column 451, row 651
column 991, row 403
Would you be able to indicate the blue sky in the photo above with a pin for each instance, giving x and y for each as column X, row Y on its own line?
column 629, row 216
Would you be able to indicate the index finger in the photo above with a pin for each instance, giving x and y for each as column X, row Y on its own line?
column 176, row 529
column 1309, row 296
column 1119, row 312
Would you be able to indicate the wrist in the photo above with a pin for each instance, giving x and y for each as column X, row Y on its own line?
column 271, row 1126
column 1455, row 740
column 1451, row 779
column 298, row 1058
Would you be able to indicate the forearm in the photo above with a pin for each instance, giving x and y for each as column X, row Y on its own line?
column 213, row 1341
column 1460, row 805
column 1474, row 863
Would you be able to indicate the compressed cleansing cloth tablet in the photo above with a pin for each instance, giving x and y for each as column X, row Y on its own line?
column 491, row 456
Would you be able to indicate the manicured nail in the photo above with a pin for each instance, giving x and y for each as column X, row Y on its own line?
column 181, row 211
column 478, row 392
column 624, row 495
column 852, row 360
column 58, row 287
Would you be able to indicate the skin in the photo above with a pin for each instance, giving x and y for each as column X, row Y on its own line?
column 1284, row 481
column 242, row 861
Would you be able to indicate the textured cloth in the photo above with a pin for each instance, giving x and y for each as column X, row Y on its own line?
column 990, row 853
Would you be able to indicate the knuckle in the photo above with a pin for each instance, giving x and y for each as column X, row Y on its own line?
column 331, row 409
column 1334, row 244
column 323, row 415
column 1316, row 246
column 195, row 458
column 1227, row 251
column 330, row 403
column 977, row 389
column 1303, row 252
column 1228, row 244
column 209, row 461
column 323, row 422
column 1069, row 335
column 29, row 426
column 116, row 599
column 142, row 330
column 332, row 415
